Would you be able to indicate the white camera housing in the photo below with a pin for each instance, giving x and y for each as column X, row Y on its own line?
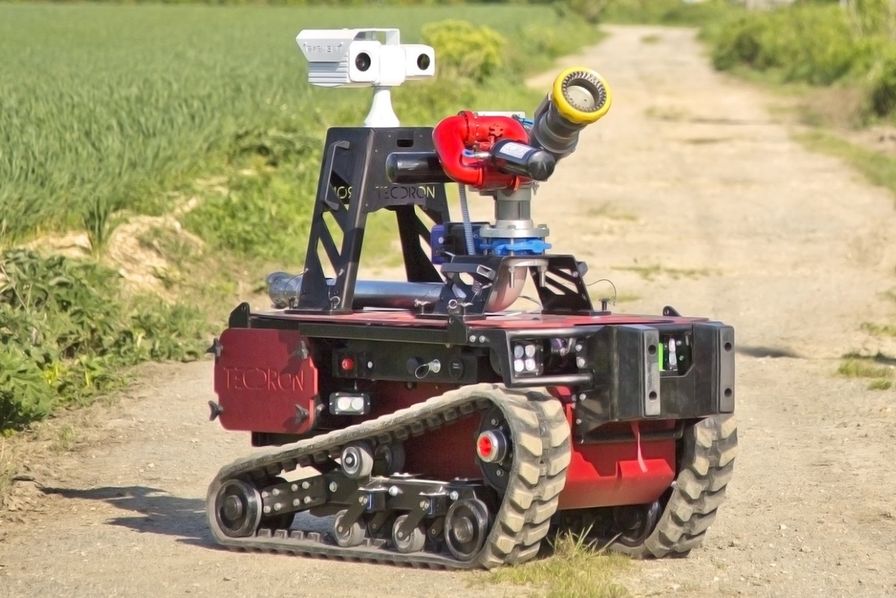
column 357, row 58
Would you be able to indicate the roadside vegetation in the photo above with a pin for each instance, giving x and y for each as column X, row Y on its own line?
column 574, row 568
column 113, row 113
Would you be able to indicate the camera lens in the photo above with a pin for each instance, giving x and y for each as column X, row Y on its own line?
column 423, row 62
column 362, row 61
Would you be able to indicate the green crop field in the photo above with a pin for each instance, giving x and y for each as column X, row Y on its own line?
column 102, row 108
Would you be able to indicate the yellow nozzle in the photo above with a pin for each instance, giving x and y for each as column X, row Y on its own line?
column 581, row 95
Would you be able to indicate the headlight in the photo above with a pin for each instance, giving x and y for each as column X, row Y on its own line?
column 528, row 358
column 344, row 403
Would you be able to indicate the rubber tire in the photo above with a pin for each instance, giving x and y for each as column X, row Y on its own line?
column 413, row 543
column 353, row 537
column 707, row 463
column 362, row 454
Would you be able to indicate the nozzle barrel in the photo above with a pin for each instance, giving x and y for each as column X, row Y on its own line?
column 579, row 97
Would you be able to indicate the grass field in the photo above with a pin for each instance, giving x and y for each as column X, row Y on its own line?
column 102, row 108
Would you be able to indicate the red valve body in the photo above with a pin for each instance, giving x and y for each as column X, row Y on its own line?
column 469, row 131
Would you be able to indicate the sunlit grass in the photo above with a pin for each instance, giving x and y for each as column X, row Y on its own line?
column 574, row 569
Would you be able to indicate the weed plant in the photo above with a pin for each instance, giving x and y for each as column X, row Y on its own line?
column 576, row 568
column 66, row 332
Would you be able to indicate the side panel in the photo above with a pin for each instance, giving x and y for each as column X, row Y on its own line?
column 609, row 474
column 265, row 381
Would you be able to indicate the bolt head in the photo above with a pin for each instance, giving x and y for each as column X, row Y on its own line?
column 306, row 485
column 333, row 486
column 294, row 487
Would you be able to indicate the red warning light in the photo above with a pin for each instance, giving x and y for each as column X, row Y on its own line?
column 484, row 446
column 347, row 364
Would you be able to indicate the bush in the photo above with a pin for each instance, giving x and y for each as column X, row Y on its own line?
column 810, row 44
column 65, row 332
column 465, row 50
column 882, row 89
column 739, row 43
column 25, row 394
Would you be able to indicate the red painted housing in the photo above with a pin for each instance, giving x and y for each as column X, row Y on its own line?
column 603, row 475
column 468, row 131
column 263, row 383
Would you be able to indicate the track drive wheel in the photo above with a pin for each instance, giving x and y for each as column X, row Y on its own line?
column 466, row 527
column 706, row 464
column 237, row 508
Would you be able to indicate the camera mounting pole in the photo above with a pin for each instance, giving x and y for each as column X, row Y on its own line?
column 381, row 112
column 365, row 58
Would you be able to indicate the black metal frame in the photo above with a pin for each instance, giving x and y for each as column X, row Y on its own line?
column 353, row 184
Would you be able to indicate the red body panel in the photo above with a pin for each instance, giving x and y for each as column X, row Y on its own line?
column 603, row 475
column 262, row 381
column 443, row 454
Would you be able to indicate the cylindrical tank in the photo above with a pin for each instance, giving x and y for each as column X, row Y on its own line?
column 283, row 289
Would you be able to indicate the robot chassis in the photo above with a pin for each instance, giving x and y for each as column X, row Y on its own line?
column 421, row 421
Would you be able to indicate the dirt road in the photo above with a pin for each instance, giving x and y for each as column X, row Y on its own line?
column 689, row 194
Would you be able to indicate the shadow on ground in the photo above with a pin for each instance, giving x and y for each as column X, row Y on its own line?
column 156, row 511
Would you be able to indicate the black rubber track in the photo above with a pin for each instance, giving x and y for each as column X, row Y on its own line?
column 541, row 455
column 707, row 463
